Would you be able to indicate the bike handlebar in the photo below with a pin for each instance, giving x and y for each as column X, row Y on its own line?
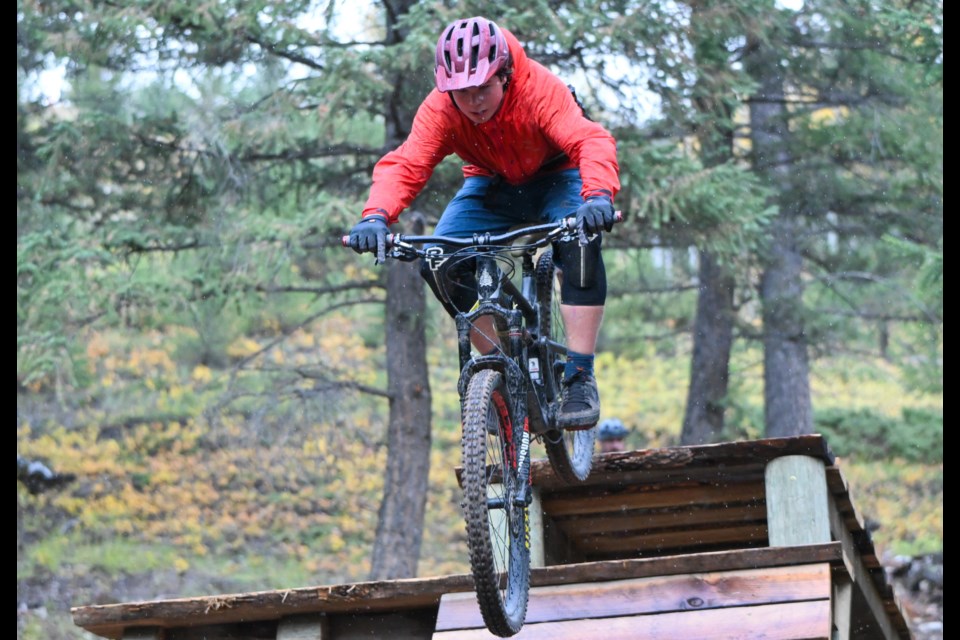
column 484, row 239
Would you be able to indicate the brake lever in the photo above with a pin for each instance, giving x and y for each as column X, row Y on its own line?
column 618, row 216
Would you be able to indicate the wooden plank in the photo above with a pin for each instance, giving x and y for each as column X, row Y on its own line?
column 652, row 497
column 653, row 595
column 637, row 520
column 110, row 620
column 689, row 563
column 785, row 621
column 661, row 542
column 725, row 455
column 796, row 489
column 752, row 472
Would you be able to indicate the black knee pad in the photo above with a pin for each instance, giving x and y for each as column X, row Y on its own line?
column 584, row 280
column 452, row 280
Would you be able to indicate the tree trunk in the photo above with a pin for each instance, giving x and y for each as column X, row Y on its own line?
column 710, row 364
column 786, row 373
column 396, row 549
column 703, row 420
column 786, row 370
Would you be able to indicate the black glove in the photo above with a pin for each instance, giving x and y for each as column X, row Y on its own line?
column 370, row 234
column 596, row 214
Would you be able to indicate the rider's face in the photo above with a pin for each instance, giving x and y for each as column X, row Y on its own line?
column 480, row 103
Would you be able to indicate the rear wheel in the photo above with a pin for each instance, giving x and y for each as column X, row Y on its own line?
column 570, row 452
column 497, row 523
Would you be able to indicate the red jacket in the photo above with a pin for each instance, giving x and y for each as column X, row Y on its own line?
column 538, row 119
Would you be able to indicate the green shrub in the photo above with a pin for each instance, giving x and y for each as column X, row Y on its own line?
column 917, row 436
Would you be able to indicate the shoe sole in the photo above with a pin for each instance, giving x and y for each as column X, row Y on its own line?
column 576, row 425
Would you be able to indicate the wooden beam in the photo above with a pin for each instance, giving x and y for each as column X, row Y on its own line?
column 861, row 578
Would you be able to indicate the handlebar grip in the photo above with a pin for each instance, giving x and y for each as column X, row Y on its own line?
column 345, row 240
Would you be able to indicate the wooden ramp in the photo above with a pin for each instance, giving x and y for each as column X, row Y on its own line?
column 781, row 602
column 755, row 539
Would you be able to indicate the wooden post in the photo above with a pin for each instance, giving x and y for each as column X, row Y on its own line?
column 842, row 607
column 537, row 546
column 798, row 513
column 797, row 506
column 144, row 633
column 304, row 627
column 498, row 529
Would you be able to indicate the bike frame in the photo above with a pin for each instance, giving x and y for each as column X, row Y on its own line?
column 511, row 358
column 524, row 356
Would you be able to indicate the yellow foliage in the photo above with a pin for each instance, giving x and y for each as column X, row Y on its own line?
column 828, row 116
column 97, row 347
column 146, row 361
column 243, row 347
column 648, row 395
column 302, row 340
column 201, row 373
column 336, row 542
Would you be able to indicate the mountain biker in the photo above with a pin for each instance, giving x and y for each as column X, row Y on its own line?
column 531, row 156
column 611, row 434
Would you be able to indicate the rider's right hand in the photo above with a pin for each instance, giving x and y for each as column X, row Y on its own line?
column 370, row 234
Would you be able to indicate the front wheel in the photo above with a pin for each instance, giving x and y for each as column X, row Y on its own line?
column 570, row 452
column 497, row 522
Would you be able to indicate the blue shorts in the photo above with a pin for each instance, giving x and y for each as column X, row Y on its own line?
column 545, row 199
column 484, row 205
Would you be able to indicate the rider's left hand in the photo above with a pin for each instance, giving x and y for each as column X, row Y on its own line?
column 596, row 214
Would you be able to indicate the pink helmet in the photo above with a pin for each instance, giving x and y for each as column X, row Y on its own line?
column 469, row 53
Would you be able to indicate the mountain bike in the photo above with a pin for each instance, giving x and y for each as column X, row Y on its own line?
column 506, row 397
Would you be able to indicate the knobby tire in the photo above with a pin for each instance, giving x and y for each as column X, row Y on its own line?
column 570, row 452
column 499, row 555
